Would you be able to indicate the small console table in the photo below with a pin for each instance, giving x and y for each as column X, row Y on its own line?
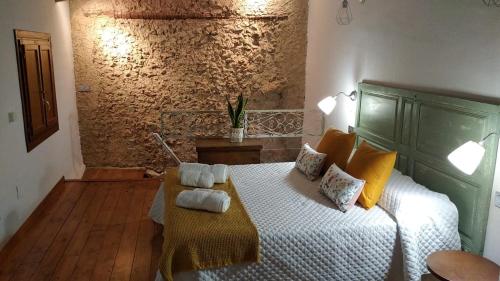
column 221, row 151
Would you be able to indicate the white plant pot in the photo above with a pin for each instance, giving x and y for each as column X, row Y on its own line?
column 236, row 134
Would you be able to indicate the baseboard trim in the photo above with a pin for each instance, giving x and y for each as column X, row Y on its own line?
column 31, row 220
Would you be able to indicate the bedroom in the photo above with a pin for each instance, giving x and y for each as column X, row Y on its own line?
column 126, row 69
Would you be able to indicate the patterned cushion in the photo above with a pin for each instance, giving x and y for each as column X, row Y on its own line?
column 341, row 188
column 310, row 162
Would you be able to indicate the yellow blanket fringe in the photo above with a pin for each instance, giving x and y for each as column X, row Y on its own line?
column 196, row 240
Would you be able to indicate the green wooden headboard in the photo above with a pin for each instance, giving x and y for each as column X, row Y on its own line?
column 424, row 129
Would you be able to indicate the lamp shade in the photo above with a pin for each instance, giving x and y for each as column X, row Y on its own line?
column 327, row 105
column 467, row 157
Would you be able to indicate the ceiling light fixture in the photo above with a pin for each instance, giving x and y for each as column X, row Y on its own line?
column 344, row 14
column 492, row 3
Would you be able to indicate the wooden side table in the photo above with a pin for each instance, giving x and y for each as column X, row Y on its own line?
column 221, row 151
column 462, row 266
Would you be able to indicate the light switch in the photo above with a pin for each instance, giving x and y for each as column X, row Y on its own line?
column 12, row 117
column 83, row 88
column 497, row 199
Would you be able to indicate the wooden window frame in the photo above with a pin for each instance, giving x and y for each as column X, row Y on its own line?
column 52, row 125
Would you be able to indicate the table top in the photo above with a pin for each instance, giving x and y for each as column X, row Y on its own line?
column 219, row 144
column 462, row 266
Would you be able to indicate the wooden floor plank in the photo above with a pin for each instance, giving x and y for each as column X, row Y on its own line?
column 21, row 248
column 114, row 232
column 8, row 253
column 123, row 263
column 65, row 268
column 82, row 233
column 56, row 251
column 150, row 194
column 79, row 239
column 67, row 261
column 157, row 243
column 89, row 231
column 144, row 247
column 108, row 254
column 86, row 263
column 37, row 242
column 156, row 239
column 109, row 205
column 88, row 258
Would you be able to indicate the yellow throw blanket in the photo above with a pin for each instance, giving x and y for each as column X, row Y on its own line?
column 196, row 240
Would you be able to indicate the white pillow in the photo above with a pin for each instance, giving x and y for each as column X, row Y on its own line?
column 342, row 188
column 310, row 162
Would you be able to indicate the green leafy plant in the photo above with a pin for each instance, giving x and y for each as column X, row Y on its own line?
column 237, row 114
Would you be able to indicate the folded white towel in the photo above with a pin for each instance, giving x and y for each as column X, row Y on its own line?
column 197, row 178
column 194, row 166
column 216, row 201
column 220, row 172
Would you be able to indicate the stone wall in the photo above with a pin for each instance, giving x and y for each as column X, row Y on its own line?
column 134, row 59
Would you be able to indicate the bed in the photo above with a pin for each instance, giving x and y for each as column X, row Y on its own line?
column 303, row 236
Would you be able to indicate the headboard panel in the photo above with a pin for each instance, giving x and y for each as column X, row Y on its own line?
column 424, row 129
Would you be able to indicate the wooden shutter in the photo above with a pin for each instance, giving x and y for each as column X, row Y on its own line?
column 36, row 81
column 48, row 87
column 36, row 112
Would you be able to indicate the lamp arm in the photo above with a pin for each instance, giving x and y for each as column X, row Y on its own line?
column 352, row 95
column 489, row 135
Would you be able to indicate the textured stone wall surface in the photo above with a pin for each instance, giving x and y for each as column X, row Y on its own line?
column 134, row 59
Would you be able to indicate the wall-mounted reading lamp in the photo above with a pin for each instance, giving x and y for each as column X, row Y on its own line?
column 327, row 105
column 469, row 155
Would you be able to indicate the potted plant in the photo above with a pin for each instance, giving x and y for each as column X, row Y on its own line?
column 237, row 117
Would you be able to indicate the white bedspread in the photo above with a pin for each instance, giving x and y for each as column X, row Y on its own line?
column 304, row 237
column 427, row 222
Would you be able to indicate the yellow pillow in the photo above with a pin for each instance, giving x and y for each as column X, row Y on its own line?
column 375, row 167
column 338, row 146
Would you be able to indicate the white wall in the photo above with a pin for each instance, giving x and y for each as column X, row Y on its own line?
column 442, row 46
column 34, row 173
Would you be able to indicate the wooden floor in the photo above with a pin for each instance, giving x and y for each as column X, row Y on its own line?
column 89, row 231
